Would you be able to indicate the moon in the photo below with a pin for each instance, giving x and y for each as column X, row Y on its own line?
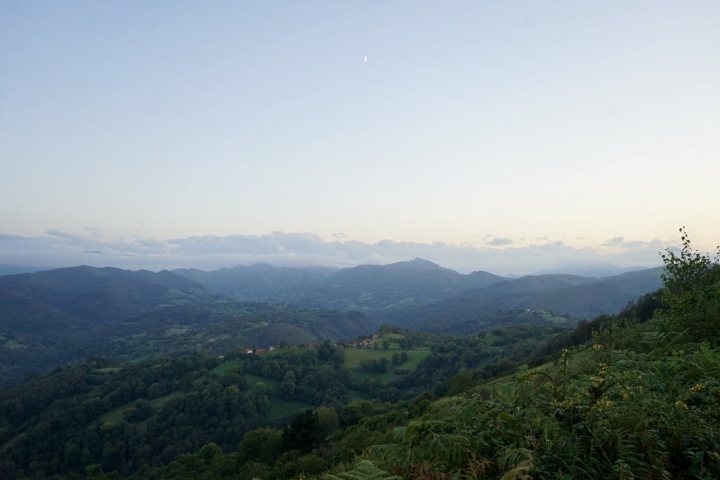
column 365, row 59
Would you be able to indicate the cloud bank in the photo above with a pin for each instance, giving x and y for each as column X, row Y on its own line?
column 499, row 255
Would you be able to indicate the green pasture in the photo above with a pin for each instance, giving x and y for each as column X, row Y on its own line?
column 227, row 366
column 280, row 408
column 115, row 416
column 253, row 379
column 353, row 357
column 556, row 319
column 14, row 345
column 109, row 370
column 172, row 331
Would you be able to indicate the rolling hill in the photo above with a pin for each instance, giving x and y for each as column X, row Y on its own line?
column 54, row 317
column 365, row 288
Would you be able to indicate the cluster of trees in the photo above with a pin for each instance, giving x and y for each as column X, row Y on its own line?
column 379, row 365
column 170, row 407
column 312, row 375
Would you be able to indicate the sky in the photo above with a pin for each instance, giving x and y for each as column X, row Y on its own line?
column 515, row 135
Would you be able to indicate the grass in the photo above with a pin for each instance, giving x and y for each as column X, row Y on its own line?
column 140, row 359
column 253, row 379
column 277, row 351
column 227, row 366
column 109, row 370
column 172, row 331
column 14, row 345
column 280, row 408
column 414, row 357
column 353, row 357
column 159, row 402
column 115, row 416
column 556, row 319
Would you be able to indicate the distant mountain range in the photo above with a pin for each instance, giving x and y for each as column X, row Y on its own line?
column 570, row 296
column 426, row 296
column 365, row 287
column 592, row 270
column 57, row 316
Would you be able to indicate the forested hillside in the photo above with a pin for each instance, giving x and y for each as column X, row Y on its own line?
column 365, row 287
column 640, row 399
column 106, row 416
column 424, row 296
column 56, row 317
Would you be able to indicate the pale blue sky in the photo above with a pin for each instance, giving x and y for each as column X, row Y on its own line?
column 573, row 121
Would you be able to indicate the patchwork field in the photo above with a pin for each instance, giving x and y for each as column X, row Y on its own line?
column 354, row 356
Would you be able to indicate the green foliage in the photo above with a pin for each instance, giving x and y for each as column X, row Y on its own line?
column 260, row 445
column 363, row 469
column 303, row 433
column 692, row 293
column 599, row 414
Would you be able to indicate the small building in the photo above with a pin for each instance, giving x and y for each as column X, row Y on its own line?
column 259, row 351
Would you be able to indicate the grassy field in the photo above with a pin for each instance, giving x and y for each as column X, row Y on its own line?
column 109, row 370
column 353, row 356
column 115, row 416
column 172, row 331
column 556, row 319
column 14, row 345
column 253, row 379
column 281, row 408
column 228, row 366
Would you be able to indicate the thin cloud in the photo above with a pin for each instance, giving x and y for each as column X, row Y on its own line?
column 620, row 243
column 499, row 241
column 56, row 248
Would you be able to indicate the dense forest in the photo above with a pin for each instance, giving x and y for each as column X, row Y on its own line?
column 106, row 416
